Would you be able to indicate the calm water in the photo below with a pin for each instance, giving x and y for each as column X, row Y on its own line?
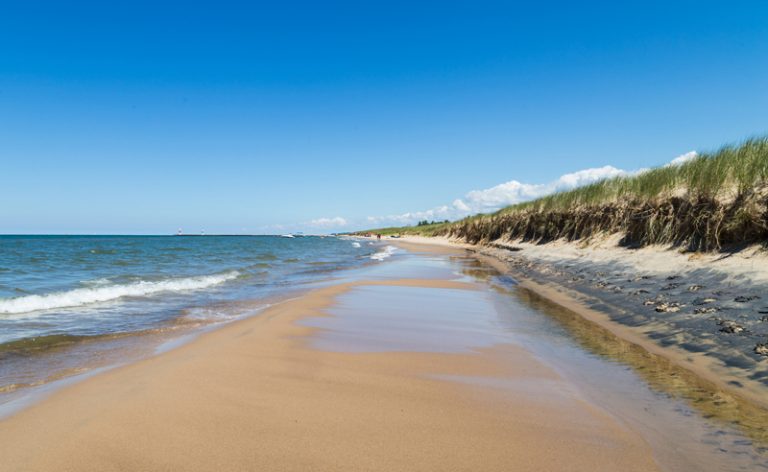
column 70, row 294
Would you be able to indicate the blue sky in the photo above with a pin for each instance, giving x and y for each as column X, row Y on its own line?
column 262, row 117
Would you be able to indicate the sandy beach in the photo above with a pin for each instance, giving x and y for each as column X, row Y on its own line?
column 429, row 361
column 272, row 393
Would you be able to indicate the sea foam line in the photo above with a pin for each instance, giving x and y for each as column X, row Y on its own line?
column 383, row 254
column 85, row 296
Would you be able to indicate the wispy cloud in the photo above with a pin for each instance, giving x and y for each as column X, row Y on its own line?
column 325, row 223
column 510, row 193
column 316, row 226
column 499, row 196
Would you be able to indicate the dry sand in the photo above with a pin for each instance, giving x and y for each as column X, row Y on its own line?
column 749, row 264
column 254, row 395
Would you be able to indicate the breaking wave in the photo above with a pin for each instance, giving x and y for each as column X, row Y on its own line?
column 100, row 293
column 383, row 254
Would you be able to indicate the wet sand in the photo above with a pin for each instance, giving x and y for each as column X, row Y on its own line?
column 706, row 312
column 308, row 385
column 592, row 292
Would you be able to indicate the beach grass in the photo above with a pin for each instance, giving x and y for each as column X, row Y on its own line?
column 729, row 172
column 711, row 201
column 432, row 229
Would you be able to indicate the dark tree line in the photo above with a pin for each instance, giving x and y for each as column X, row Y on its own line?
column 427, row 222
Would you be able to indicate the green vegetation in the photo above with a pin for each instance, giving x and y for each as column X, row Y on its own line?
column 429, row 229
column 731, row 172
column 429, row 223
column 715, row 200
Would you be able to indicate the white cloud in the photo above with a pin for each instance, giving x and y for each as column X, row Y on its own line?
column 328, row 222
column 460, row 205
column 510, row 193
column 683, row 158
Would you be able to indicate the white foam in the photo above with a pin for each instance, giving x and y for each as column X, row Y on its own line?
column 97, row 282
column 355, row 244
column 85, row 296
column 383, row 254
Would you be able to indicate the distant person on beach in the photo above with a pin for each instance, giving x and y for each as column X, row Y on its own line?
column 378, row 236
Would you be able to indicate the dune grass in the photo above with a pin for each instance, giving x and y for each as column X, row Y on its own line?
column 715, row 200
column 729, row 172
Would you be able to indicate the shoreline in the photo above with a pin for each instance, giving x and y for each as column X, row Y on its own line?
column 96, row 334
column 428, row 361
column 536, row 273
column 256, row 391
